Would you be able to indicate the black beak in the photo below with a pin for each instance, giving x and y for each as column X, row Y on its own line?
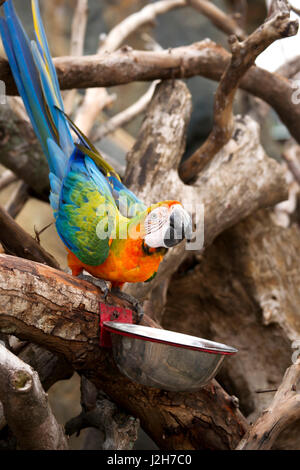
column 179, row 229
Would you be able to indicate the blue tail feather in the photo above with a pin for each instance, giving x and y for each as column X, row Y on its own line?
column 37, row 83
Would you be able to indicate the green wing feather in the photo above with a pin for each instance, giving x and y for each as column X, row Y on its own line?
column 87, row 215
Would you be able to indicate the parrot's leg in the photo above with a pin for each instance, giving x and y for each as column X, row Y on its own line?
column 101, row 283
column 137, row 306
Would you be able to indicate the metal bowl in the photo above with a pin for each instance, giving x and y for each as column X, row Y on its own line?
column 165, row 359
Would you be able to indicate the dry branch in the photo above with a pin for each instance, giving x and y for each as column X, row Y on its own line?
column 79, row 28
column 146, row 15
column 18, row 242
column 125, row 116
column 290, row 68
column 21, row 152
column 291, row 155
column 238, row 181
column 26, row 406
column 60, row 313
column 6, row 179
column 50, row 367
column 204, row 58
column 17, row 199
column 243, row 57
column 243, row 291
column 240, row 9
column 97, row 99
column 117, row 430
column 77, row 45
column 283, row 411
column 295, row 9
column 222, row 21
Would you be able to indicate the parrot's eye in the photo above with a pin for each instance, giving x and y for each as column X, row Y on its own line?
column 156, row 219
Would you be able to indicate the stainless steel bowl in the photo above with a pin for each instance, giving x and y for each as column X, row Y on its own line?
column 165, row 359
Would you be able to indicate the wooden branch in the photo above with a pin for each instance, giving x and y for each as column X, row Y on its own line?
column 96, row 100
column 290, row 68
column 283, row 411
column 6, row 179
column 295, row 9
column 59, row 312
column 243, row 291
column 122, row 118
column 243, row 57
column 222, row 21
column 146, row 15
column 26, row 406
column 204, row 58
column 118, row 430
column 77, row 45
column 18, row 242
column 79, row 28
column 17, row 200
column 291, row 155
column 240, row 9
column 50, row 368
column 238, row 181
column 22, row 154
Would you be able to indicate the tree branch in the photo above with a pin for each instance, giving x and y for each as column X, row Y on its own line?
column 283, row 411
column 239, row 180
column 290, row 68
column 18, row 242
column 222, row 21
column 291, row 155
column 6, row 179
column 204, row 58
column 77, row 45
column 17, row 199
column 50, row 367
column 118, row 429
column 146, row 15
column 21, row 152
column 26, row 406
column 243, row 57
column 125, row 116
column 60, row 313
column 96, row 100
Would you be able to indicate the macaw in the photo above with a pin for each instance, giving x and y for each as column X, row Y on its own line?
column 106, row 229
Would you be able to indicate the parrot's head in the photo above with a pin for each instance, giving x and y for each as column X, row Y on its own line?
column 166, row 224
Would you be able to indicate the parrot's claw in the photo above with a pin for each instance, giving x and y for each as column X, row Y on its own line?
column 137, row 306
column 103, row 285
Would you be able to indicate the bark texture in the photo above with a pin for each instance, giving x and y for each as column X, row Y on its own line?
column 26, row 406
column 60, row 313
column 21, row 152
column 240, row 179
column 243, row 291
column 204, row 58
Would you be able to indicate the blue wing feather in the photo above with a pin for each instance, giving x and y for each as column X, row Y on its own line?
column 127, row 202
column 81, row 181
column 84, row 191
column 43, row 43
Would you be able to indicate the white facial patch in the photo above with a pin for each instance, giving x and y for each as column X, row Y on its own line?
column 156, row 225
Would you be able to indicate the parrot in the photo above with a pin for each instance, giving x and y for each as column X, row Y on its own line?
column 106, row 229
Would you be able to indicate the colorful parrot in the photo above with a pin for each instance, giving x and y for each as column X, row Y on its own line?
column 106, row 229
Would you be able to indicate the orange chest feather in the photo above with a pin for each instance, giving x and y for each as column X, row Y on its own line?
column 126, row 262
